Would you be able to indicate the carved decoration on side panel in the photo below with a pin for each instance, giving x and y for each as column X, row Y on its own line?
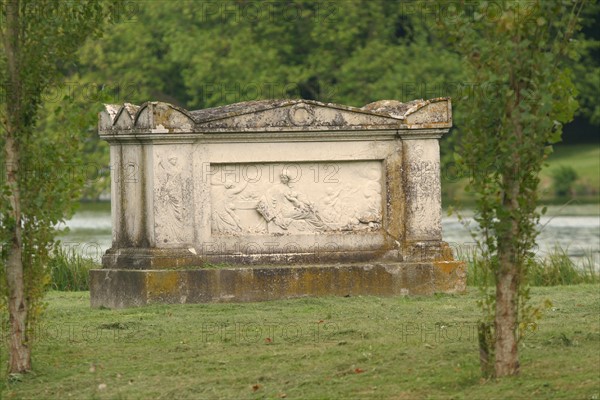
column 423, row 194
column 296, row 198
column 170, row 206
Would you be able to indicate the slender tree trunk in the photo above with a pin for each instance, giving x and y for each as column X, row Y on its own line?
column 19, row 351
column 506, row 355
column 506, row 360
column 507, row 292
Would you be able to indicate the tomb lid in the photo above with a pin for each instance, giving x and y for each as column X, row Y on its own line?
column 275, row 115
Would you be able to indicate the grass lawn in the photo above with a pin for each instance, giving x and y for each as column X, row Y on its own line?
column 584, row 159
column 325, row 348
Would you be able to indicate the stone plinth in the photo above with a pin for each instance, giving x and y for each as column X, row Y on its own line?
column 274, row 199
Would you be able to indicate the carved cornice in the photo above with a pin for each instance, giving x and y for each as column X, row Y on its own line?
column 294, row 119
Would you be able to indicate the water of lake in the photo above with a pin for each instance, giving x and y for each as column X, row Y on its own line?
column 574, row 228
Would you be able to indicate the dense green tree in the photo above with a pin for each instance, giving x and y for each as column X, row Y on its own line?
column 205, row 54
column 586, row 64
column 39, row 187
column 199, row 55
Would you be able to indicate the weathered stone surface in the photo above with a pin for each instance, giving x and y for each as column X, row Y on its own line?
column 118, row 288
column 274, row 115
column 274, row 182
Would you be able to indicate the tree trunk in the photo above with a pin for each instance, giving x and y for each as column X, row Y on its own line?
column 506, row 355
column 507, row 281
column 19, row 351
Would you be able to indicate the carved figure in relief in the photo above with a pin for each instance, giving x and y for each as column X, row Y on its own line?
column 171, row 198
column 354, row 207
column 332, row 205
column 370, row 213
column 224, row 218
column 282, row 206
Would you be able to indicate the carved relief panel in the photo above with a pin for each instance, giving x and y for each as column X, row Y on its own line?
column 279, row 199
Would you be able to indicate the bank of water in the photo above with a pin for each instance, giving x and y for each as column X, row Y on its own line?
column 573, row 228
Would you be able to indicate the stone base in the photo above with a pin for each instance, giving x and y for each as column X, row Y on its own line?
column 119, row 288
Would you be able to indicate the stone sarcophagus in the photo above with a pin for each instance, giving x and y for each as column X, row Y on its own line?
column 274, row 199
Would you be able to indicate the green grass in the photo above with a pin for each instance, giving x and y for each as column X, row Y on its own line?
column 584, row 159
column 319, row 348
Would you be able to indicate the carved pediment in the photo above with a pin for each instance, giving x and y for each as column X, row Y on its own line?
column 295, row 115
column 276, row 115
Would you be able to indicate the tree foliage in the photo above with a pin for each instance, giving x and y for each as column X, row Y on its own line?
column 521, row 53
column 40, row 177
column 200, row 54
column 585, row 63
column 205, row 54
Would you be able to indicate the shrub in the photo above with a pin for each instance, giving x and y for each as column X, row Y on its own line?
column 563, row 179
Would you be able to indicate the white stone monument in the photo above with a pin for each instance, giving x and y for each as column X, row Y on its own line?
column 274, row 199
